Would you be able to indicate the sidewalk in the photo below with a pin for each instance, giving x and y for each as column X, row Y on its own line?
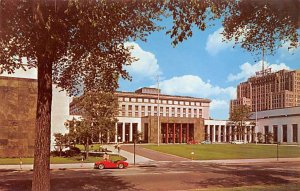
column 130, row 156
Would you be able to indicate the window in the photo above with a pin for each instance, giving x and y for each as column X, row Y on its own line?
column 149, row 110
column 136, row 111
column 123, row 110
column 143, row 111
column 295, row 132
column 195, row 113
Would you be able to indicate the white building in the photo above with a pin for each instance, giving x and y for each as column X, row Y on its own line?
column 283, row 123
column 136, row 109
column 222, row 131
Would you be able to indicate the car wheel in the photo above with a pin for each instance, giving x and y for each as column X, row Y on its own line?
column 120, row 166
column 101, row 166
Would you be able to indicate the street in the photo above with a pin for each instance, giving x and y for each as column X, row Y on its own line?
column 161, row 176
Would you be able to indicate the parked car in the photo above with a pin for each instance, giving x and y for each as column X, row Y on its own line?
column 238, row 142
column 206, row 142
column 110, row 164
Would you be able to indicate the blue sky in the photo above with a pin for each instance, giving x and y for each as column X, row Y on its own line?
column 202, row 66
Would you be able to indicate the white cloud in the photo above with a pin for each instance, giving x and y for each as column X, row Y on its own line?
column 248, row 70
column 219, row 108
column 146, row 66
column 219, row 104
column 20, row 73
column 214, row 43
column 194, row 86
column 285, row 52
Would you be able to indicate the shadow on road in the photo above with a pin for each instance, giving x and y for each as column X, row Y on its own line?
column 63, row 181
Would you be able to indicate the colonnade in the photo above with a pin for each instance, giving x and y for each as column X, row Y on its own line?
column 222, row 133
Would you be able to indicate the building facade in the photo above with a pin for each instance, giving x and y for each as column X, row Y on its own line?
column 141, row 112
column 18, row 113
column 282, row 124
column 223, row 131
column 267, row 91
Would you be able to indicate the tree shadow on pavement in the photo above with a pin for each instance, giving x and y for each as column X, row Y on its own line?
column 69, row 180
column 237, row 175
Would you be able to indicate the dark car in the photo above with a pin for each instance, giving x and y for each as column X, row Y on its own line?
column 110, row 164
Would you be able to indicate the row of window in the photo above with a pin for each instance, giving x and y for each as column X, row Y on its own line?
column 152, row 100
column 163, row 111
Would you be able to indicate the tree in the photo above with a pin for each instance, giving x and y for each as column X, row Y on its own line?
column 254, row 24
column 260, row 137
column 238, row 116
column 60, row 141
column 269, row 137
column 101, row 108
column 72, row 43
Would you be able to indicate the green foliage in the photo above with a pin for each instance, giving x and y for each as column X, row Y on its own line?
column 254, row 24
column 239, row 115
column 260, row 137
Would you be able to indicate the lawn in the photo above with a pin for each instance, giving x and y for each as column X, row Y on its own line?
column 228, row 151
column 57, row 160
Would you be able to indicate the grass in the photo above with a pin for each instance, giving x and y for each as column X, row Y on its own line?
column 57, row 160
column 280, row 187
column 228, row 151
column 93, row 147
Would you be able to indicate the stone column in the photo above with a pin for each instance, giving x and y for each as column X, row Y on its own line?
column 289, row 129
column 174, row 133
column 235, row 135
column 123, row 132
column 230, row 133
column 219, row 133
column 214, row 134
column 167, row 133
column 280, row 134
column 180, row 133
column 208, row 132
column 130, row 133
column 250, row 134
column 245, row 135
column 298, row 132
column 225, row 134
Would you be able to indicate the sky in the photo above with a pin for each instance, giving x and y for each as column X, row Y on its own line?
column 202, row 66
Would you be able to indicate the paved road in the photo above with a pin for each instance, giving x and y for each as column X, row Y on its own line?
column 153, row 155
column 161, row 176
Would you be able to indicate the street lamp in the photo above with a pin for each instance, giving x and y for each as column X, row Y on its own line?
column 119, row 138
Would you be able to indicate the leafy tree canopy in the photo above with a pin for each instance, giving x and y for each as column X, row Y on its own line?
column 254, row 24
column 83, row 40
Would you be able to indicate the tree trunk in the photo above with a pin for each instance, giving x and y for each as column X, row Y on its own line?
column 87, row 148
column 41, row 167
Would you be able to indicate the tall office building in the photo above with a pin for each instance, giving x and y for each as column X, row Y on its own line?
column 269, row 90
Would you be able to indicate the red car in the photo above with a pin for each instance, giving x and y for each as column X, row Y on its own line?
column 110, row 164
